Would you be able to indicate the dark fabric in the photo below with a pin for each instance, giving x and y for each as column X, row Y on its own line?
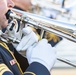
column 20, row 58
column 1, row 60
column 6, row 58
column 7, row 73
column 55, row 43
column 37, row 69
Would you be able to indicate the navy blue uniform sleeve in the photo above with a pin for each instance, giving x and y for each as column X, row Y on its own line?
column 1, row 61
column 36, row 68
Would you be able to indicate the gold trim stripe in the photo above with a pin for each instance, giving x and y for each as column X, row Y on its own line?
column 5, row 46
column 4, row 68
column 32, row 73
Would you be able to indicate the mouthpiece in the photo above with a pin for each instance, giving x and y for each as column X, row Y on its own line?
column 8, row 14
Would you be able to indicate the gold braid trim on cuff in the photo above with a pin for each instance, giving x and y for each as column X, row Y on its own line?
column 4, row 68
column 29, row 73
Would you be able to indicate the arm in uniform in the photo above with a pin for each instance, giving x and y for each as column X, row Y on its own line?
column 40, row 54
column 36, row 68
column 41, row 58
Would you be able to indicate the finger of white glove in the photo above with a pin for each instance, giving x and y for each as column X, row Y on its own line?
column 27, row 41
column 26, row 30
column 43, row 41
column 23, row 42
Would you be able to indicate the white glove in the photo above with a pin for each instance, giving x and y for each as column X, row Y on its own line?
column 29, row 39
column 42, row 53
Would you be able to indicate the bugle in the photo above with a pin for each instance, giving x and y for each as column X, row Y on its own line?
column 62, row 29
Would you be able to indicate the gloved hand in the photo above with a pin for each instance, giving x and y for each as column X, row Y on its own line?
column 29, row 39
column 43, row 53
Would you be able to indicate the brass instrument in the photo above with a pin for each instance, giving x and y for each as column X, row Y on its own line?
column 62, row 29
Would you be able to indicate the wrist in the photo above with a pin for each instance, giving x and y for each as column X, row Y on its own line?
column 38, row 69
column 41, row 62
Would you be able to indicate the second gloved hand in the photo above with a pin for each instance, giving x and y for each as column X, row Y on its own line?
column 42, row 53
column 29, row 39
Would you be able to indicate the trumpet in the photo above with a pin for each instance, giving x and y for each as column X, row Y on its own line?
column 62, row 29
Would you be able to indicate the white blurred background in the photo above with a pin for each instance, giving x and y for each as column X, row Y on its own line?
column 65, row 50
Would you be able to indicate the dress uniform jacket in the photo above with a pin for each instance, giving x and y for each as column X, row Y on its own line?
column 17, row 64
column 12, row 59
